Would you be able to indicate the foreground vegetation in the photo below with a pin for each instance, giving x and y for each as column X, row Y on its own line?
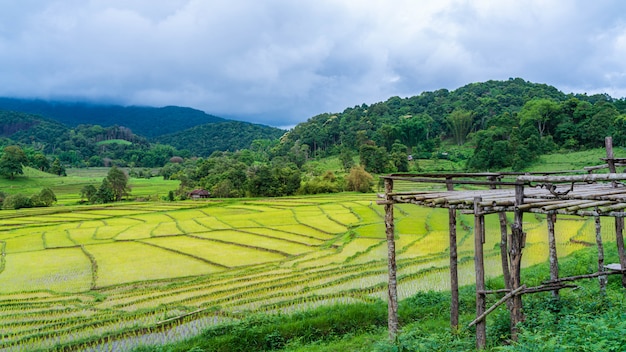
column 127, row 274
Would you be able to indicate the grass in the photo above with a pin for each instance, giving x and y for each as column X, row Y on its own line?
column 133, row 264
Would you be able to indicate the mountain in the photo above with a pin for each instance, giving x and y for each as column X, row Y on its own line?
column 226, row 136
column 145, row 121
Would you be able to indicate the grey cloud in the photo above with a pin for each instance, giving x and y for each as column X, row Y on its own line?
column 280, row 62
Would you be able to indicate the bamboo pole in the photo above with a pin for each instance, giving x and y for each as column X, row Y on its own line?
column 619, row 240
column 516, row 245
column 573, row 178
column 479, row 266
column 496, row 305
column 554, row 263
column 602, row 278
column 454, row 274
column 392, row 289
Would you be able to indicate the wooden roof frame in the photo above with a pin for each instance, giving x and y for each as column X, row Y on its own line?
column 570, row 192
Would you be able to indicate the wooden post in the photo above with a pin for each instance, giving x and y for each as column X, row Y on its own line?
column 516, row 244
column 504, row 251
column 619, row 221
column 454, row 275
column 554, row 263
column 619, row 240
column 608, row 143
column 454, row 272
column 479, row 266
column 602, row 278
column 392, row 291
column 504, row 247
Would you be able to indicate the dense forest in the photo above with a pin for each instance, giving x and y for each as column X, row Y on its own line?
column 488, row 126
column 145, row 121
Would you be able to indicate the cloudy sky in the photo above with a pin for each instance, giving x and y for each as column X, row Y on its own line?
column 280, row 62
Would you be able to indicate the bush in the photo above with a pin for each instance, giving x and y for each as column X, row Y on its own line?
column 16, row 201
column 360, row 180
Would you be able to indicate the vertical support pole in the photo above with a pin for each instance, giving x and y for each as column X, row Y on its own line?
column 601, row 279
column 608, row 143
column 392, row 287
column 554, row 263
column 619, row 240
column 454, row 274
column 479, row 266
column 619, row 221
column 516, row 244
column 504, row 251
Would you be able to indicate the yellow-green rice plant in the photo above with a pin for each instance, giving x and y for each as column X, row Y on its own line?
column 191, row 226
column 289, row 236
column 257, row 241
column 62, row 270
column 221, row 253
column 58, row 239
column 212, row 223
column 108, row 232
column 122, row 262
column 272, row 218
column 24, row 241
column 136, row 232
column 372, row 231
column 433, row 242
column 306, row 231
column 321, row 222
column 367, row 211
column 91, row 224
column 169, row 228
column 239, row 221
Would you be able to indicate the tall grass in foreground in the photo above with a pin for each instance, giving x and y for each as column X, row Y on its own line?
column 582, row 320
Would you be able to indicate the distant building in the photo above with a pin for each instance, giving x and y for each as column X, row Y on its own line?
column 199, row 193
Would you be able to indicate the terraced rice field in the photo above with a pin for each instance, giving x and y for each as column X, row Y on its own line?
column 110, row 278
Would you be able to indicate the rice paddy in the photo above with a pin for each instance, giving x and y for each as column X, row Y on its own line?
column 115, row 277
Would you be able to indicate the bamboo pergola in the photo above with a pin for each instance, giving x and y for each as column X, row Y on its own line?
column 574, row 192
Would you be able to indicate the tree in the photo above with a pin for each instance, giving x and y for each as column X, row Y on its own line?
column 459, row 122
column 12, row 160
column 118, row 182
column 16, row 201
column 360, row 180
column 89, row 192
column 40, row 162
column 46, row 197
column 57, row 168
column 541, row 112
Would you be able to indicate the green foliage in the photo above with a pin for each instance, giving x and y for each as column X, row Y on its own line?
column 118, row 182
column 459, row 123
column 11, row 161
column 231, row 136
column 16, row 201
column 359, row 180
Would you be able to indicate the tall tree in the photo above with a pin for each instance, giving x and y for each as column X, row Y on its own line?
column 12, row 160
column 119, row 183
column 540, row 112
column 459, row 122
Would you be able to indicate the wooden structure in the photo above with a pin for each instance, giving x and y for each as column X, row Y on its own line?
column 579, row 193
column 199, row 194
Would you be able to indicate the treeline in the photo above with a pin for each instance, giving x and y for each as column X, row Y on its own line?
column 247, row 173
column 509, row 123
column 88, row 145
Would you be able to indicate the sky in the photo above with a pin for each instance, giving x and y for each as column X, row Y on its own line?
column 281, row 62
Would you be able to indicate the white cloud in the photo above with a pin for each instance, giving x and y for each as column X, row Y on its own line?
column 282, row 61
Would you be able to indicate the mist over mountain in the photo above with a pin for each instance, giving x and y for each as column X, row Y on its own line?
column 145, row 121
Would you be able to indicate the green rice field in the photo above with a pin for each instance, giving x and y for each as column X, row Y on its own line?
column 117, row 276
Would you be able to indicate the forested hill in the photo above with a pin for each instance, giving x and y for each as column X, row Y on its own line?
column 226, row 136
column 145, row 121
column 500, row 123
